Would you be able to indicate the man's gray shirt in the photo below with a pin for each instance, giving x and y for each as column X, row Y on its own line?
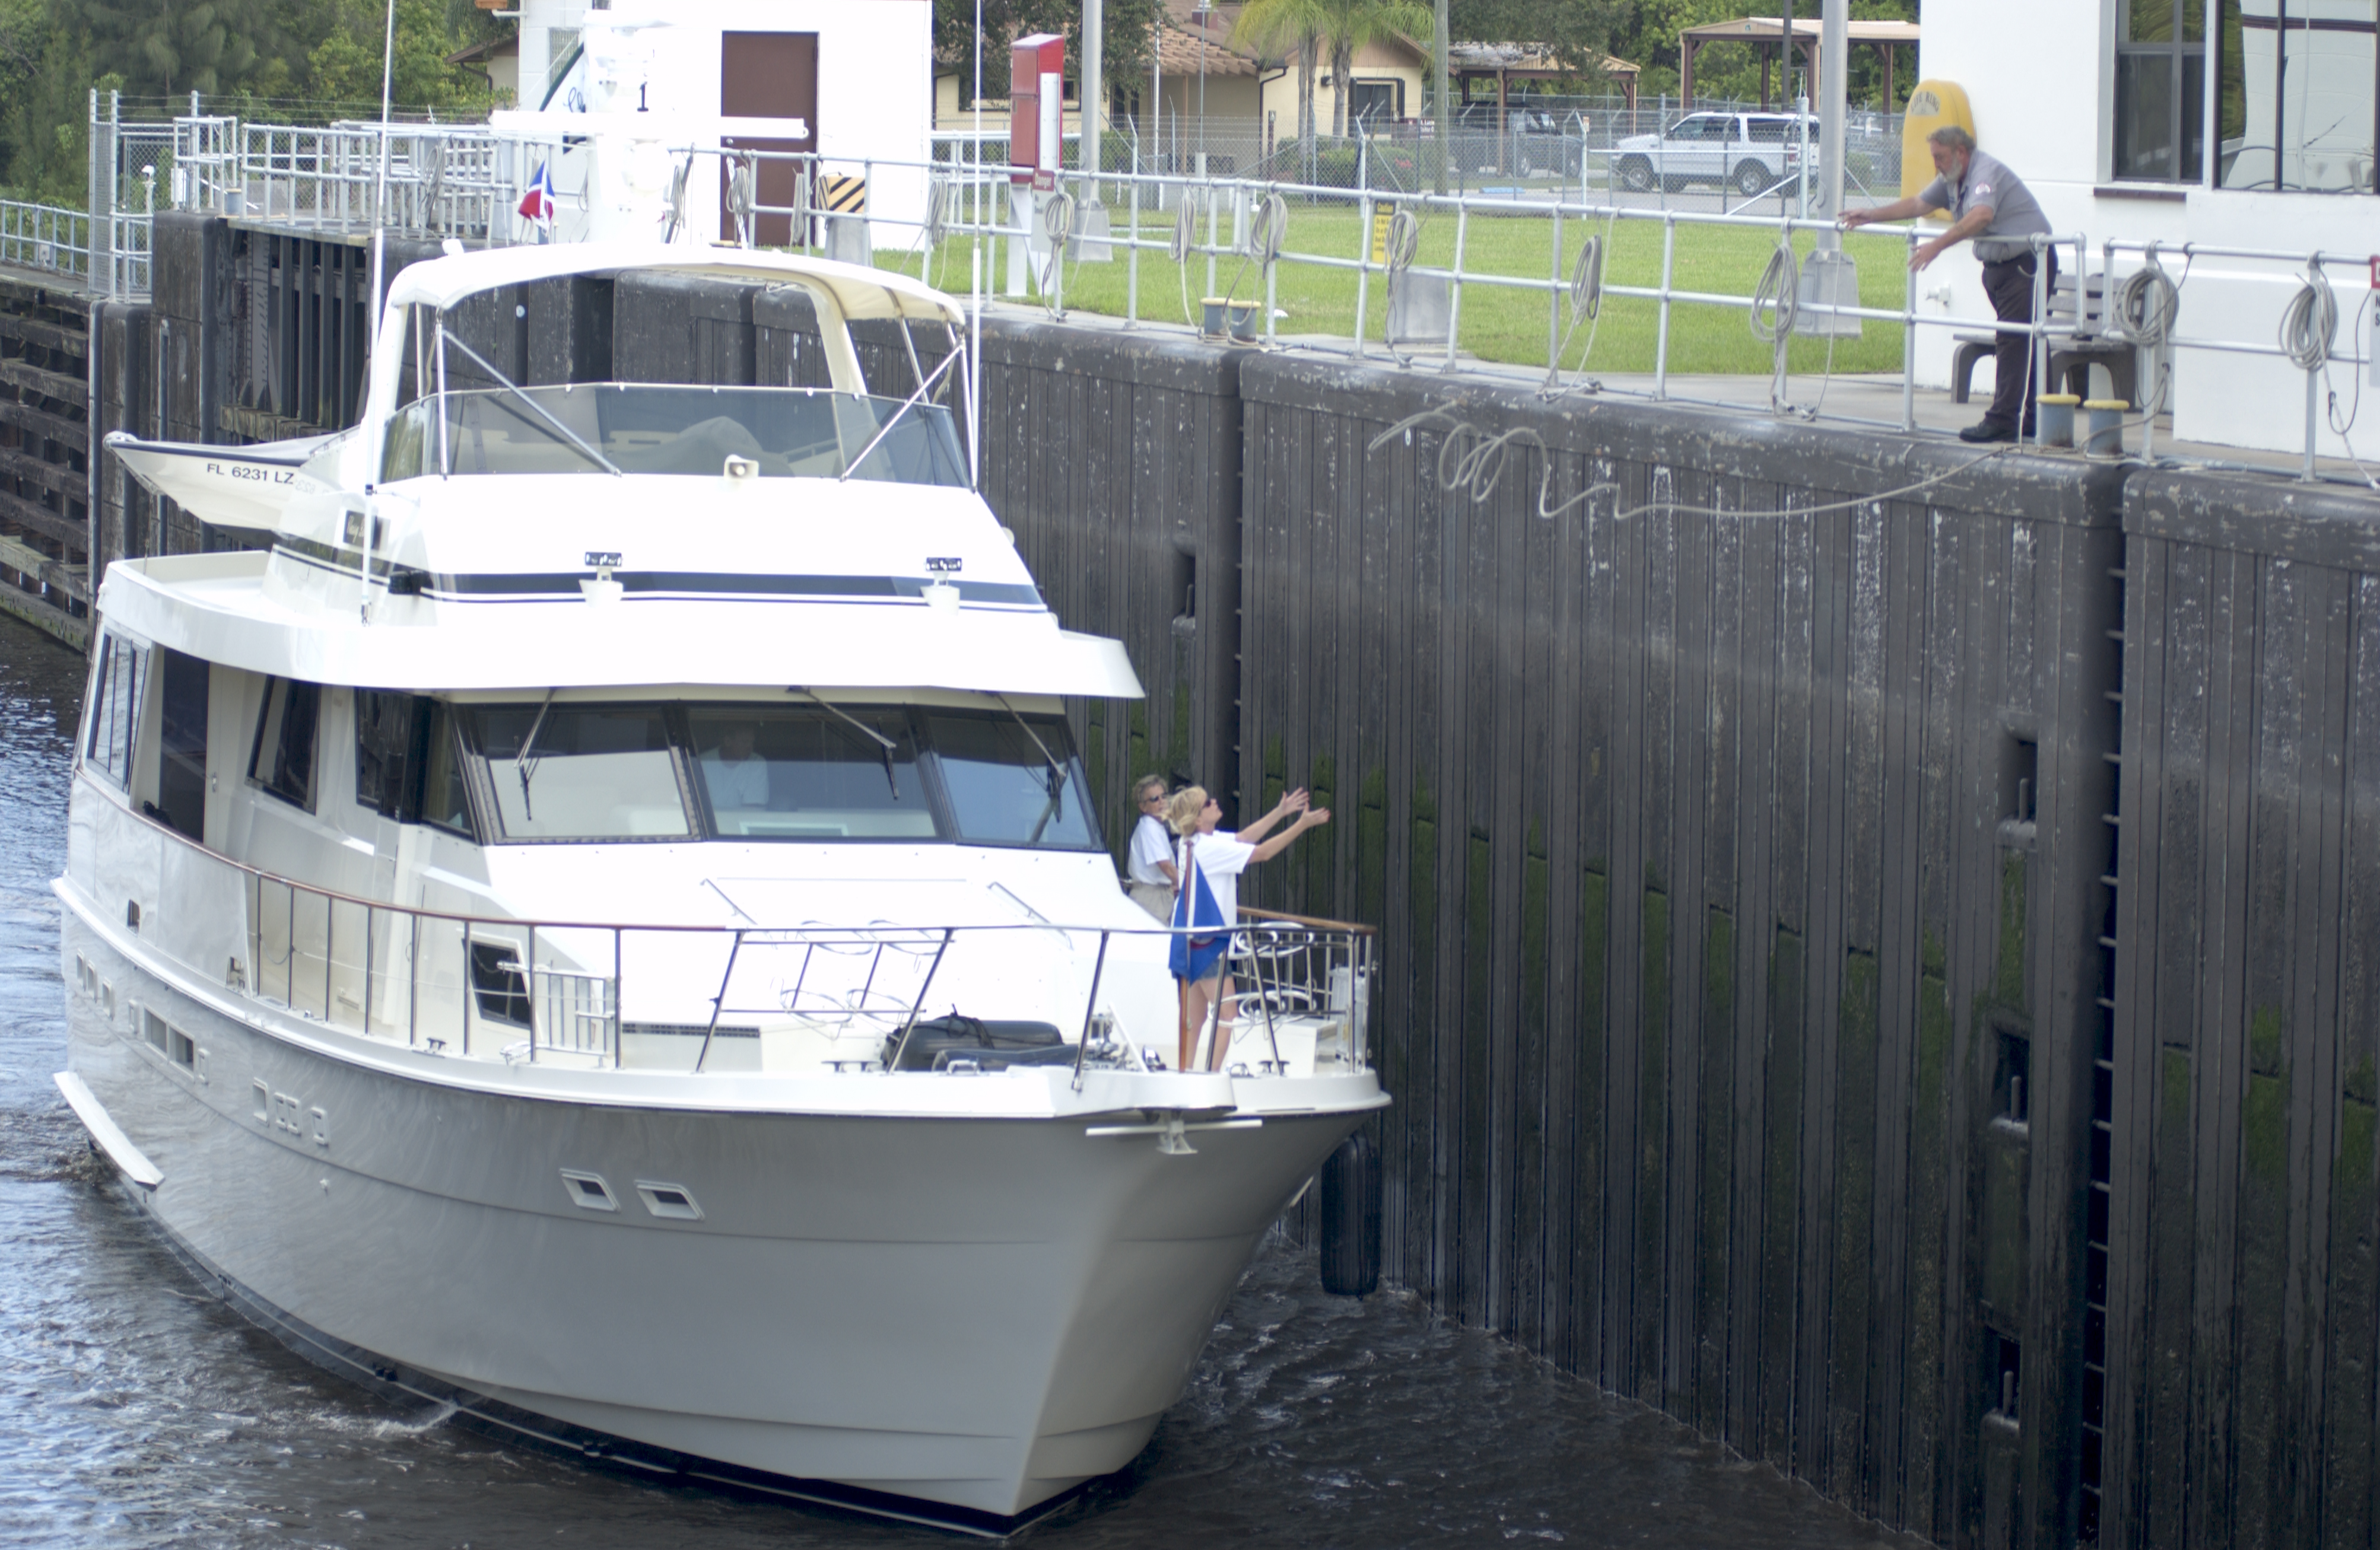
column 2015, row 214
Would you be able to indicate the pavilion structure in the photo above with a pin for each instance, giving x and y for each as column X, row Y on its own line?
column 1766, row 35
column 1503, row 64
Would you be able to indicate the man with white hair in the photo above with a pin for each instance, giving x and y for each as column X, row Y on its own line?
column 1991, row 205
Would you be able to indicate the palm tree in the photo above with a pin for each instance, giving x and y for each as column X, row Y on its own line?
column 1272, row 27
column 1354, row 24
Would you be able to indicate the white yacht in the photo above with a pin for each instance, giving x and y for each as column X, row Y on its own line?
column 599, row 923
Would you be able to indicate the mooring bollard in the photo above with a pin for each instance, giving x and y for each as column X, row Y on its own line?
column 2057, row 419
column 2105, row 426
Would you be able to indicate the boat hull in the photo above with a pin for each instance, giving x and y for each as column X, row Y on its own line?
column 979, row 1314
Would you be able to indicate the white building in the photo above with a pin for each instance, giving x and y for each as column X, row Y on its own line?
column 858, row 78
column 2102, row 107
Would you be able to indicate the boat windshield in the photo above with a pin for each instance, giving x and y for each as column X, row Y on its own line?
column 784, row 432
column 764, row 771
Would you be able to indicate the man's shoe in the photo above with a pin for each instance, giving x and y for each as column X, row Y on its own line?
column 1989, row 431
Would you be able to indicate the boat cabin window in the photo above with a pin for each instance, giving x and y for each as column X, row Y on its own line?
column 756, row 770
column 283, row 759
column 1013, row 781
column 384, row 733
column 407, row 764
column 810, row 774
column 580, row 771
column 445, row 800
column 182, row 742
column 113, row 719
column 577, row 429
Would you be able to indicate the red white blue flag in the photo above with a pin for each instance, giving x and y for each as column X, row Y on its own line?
column 536, row 205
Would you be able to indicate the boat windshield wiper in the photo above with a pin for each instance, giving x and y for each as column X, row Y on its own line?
column 526, row 766
column 1057, row 771
column 1057, row 781
column 509, row 386
column 890, row 777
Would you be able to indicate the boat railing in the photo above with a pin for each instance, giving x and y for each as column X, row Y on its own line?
column 611, row 995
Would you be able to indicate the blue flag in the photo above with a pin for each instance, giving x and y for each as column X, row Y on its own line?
column 1198, row 923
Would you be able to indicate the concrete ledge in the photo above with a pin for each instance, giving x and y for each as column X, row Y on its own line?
column 1748, row 445
column 2331, row 524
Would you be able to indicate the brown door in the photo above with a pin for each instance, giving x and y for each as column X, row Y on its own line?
column 767, row 75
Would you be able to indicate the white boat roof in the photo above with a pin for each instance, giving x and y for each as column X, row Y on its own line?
column 222, row 607
column 856, row 291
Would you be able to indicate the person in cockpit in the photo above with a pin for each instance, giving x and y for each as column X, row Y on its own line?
column 735, row 774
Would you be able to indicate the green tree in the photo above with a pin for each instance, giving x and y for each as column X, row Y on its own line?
column 1577, row 32
column 162, row 48
column 1128, row 29
column 1354, row 24
column 1278, row 28
column 345, row 66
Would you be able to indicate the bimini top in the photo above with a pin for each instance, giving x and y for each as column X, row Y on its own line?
column 840, row 293
column 854, row 291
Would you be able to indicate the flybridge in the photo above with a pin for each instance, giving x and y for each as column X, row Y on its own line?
column 461, row 497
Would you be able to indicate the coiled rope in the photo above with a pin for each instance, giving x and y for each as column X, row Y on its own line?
column 2145, row 304
column 675, row 222
column 1185, row 236
column 1403, row 242
column 1268, row 229
column 2310, row 320
column 1058, row 225
column 1779, row 295
column 1586, row 282
column 740, row 199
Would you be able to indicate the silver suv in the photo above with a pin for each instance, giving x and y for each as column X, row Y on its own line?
column 1751, row 152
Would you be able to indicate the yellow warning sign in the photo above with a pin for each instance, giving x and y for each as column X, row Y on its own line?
column 843, row 195
column 1381, row 216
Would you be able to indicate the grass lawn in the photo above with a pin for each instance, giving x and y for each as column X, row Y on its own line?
column 1499, row 324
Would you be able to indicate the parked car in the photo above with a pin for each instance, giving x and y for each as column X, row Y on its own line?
column 1751, row 152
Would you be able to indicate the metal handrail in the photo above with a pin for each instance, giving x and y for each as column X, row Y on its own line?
column 553, row 995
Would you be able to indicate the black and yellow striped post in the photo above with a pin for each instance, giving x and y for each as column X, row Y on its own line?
column 843, row 206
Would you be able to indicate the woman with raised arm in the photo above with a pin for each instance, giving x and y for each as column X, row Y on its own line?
column 1207, row 905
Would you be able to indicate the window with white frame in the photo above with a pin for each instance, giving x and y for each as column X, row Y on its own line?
column 2295, row 95
column 2161, row 90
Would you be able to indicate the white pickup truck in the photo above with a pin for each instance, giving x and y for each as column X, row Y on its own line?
column 1750, row 152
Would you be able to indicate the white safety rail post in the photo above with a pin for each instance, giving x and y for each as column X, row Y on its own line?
column 1131, row 255
column 1661, row 334
column 1909, row 338
column 1363, row 219
column 1455, row 282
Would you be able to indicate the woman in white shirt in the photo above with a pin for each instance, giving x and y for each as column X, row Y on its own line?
column 1152, row 875
column 1220, row 857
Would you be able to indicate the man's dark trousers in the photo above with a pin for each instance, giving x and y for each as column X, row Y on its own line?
column 2009, row 282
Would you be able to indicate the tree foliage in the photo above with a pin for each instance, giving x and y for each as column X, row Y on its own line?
column 1128, row 29
column 1578, row 32
column 240, row 54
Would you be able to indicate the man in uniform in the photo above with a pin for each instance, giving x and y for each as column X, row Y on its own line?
column 1989, row 204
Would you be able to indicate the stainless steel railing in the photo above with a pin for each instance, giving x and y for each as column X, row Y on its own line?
column 498, row 987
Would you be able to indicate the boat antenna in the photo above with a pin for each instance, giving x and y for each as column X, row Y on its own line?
column 975, row 251
column 881, row 741
column 380, row 182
